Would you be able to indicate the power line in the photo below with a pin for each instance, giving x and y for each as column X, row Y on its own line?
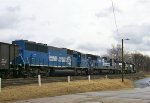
column 113, row 9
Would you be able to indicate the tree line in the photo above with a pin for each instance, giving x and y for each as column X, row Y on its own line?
column 142, row 62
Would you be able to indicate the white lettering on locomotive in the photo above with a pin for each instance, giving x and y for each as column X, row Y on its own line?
column 61, row 59
column 68, row 60
column 53, row 58
column 3, row 62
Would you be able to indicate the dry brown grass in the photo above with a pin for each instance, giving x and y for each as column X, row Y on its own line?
column 60, row 88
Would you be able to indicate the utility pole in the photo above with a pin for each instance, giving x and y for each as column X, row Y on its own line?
column 122, row 63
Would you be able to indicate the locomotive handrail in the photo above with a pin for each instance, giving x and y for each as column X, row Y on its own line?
column 23, row 61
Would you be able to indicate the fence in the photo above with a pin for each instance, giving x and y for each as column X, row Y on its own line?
column 69, row 79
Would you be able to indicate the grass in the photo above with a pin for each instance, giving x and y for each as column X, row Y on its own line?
column 60, row 88
column 147, row 74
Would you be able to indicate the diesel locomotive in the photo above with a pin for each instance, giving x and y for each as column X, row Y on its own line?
column 25, row 58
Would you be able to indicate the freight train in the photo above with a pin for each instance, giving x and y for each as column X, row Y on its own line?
column 25, row 58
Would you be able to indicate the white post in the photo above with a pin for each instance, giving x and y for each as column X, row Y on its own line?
column 106, row 77
column 89, row 78
column 68, row 79
column 39, row 80
column 0, row 84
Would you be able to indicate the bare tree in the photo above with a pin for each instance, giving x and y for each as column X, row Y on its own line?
column 142, row 62
column 115, row 52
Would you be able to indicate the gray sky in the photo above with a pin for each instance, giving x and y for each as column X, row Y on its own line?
column 84, row 25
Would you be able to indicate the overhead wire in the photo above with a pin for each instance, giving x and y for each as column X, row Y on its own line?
column 115, row 20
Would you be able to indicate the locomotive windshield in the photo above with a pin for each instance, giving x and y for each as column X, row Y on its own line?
column 36, row 47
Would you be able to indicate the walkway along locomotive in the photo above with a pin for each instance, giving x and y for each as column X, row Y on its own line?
column 25, row 58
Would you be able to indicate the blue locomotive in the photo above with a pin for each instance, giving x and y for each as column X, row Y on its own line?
column 36, row 58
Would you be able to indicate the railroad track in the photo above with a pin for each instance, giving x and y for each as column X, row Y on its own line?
column 25, row 81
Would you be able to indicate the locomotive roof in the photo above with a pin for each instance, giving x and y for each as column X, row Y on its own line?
column 27, row 41
column 7, row 43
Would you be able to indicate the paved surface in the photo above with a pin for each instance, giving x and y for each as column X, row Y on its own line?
column 142, row 83
column 137, row 95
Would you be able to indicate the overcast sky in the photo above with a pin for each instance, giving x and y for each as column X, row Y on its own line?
column 83, row 25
